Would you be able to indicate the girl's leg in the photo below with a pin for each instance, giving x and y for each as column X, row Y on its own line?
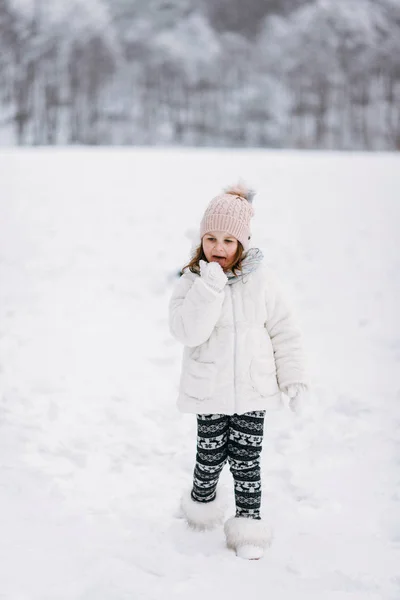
column 204, row 506
column 246, row 532
column 211, row 456
column 245, row 439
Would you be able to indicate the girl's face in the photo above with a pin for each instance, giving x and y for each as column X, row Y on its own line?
column 220, row 247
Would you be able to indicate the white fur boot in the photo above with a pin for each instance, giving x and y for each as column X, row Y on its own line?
column 248, row 537
column 204, row 515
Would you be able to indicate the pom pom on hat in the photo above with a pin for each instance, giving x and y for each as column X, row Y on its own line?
column 242, row 190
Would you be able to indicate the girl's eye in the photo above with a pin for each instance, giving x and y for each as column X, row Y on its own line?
column 211, row 239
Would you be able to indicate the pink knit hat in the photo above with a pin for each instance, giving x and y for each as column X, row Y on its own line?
column 231, row 211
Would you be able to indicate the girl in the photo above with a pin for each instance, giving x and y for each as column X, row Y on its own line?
column 242, row 349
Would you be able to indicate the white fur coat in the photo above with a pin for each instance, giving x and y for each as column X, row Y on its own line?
column 242, row 345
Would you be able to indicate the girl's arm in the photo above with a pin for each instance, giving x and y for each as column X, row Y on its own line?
column 194, row 310
column 285, row 336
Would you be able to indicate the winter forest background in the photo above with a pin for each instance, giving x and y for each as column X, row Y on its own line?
column 268, row 73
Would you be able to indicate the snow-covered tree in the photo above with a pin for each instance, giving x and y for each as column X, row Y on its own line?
column 329, row 54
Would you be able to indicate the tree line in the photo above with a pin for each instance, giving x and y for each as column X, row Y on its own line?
column 325, row 74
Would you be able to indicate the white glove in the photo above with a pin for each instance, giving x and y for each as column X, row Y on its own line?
column 213, row 275
column 295, row 392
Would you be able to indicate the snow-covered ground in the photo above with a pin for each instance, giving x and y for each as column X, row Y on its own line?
column 94, row 453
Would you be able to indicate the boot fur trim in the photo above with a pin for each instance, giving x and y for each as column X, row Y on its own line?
column 204, row 515
column 240, row 531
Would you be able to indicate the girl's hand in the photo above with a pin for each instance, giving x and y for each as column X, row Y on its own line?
column 296, row 394
column 213, row 275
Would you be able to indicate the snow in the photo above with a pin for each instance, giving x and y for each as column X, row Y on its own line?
column 95, row 454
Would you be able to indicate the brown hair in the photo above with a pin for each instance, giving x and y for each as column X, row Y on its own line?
column 199, row 255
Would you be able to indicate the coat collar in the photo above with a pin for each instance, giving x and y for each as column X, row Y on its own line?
column 252, row 260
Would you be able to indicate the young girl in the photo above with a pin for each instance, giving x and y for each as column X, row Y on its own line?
column 242, row 349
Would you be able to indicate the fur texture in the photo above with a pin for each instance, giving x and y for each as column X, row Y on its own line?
column 243, row 531
column 242, row 190
column 204, row 515
column 265, row 354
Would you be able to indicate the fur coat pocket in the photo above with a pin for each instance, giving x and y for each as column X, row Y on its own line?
column 263, row 376
column 199, row 379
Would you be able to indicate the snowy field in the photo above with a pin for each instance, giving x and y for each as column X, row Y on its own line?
column 94, row 453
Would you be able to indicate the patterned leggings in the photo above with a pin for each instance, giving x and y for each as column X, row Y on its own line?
column 237, row 439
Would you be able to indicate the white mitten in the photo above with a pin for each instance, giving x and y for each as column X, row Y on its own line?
column 296, row 394
column 213, row 275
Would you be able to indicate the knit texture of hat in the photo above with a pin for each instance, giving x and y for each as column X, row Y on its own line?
column 231, row 211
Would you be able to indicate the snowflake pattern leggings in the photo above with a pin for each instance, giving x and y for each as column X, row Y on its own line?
column 237, row 439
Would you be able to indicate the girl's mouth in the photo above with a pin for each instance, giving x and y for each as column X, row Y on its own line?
column 221, row 260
